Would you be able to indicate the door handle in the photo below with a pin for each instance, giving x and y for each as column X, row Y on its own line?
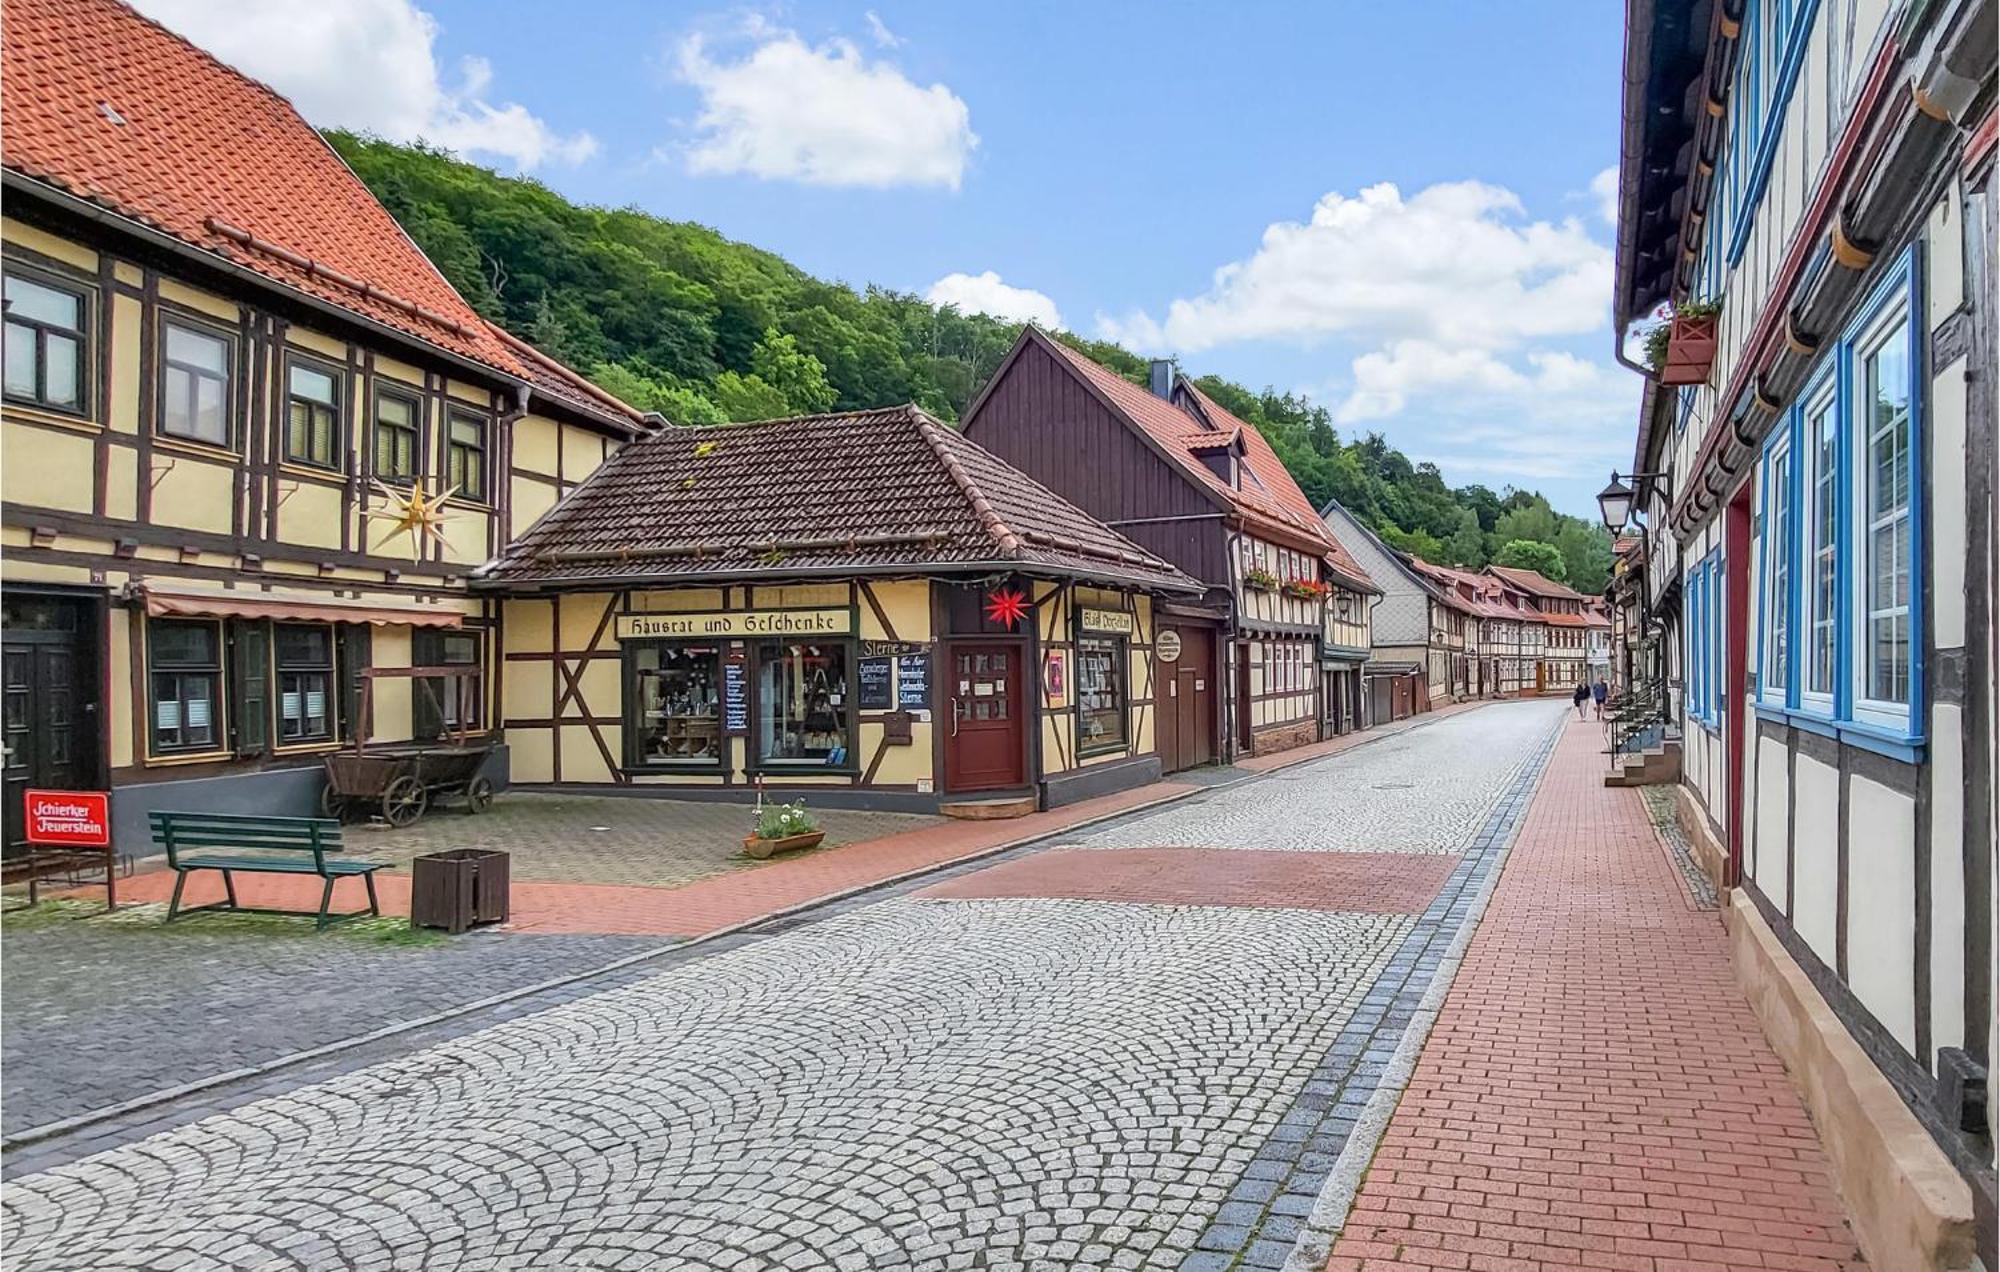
column 954, row 717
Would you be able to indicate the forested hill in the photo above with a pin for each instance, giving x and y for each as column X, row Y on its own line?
column 674, row 317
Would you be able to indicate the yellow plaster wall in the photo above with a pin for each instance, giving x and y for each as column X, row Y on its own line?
column 393, row 720
column 126, row 315
column 535, row 444
column 44, row 468
column 206, row 302
column 191, row 493
column 530, row 500
column 61, row 249
column 309, row 513
column 119, row 691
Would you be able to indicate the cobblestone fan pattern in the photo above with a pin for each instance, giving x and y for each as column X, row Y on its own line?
column 1596, row 1092
column 1425, row 791
column 652, row 843
column 919, row 1083
column 100, row 1013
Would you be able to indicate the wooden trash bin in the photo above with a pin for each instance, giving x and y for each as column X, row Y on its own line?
column 458, row 889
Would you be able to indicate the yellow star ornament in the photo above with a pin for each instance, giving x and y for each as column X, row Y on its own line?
column 418, row 513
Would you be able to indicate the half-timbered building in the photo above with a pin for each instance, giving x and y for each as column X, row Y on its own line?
column 867, row 607
column 1166, row 465
column 1806, row 198
column 224, row 360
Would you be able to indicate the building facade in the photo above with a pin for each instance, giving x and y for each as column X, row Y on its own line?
column 880, row 614
column 225, row 363
column 1170, row 468
column 1819, row 176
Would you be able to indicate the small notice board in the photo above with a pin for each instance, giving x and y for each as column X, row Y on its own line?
column 735, row 698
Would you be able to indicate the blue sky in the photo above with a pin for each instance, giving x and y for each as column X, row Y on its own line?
column 1101, row 161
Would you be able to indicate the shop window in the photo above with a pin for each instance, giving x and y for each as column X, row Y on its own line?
column 465, row 455
column 304, row 657
column 803, row 704
column 195, row 376
column 186, row 677
column 1100, row 694
column 312, row 419
column 46, row 343
column 676, row 704
column 395, row 435
column 1886, row 559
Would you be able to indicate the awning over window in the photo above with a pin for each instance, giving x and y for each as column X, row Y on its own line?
column 165, row 603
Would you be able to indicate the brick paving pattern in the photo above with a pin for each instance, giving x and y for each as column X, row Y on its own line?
column 1362, row 882
column 1596, row 1092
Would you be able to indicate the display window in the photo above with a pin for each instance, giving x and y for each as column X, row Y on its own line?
column 1100, row 694
column 805, row 711
column 676, row 704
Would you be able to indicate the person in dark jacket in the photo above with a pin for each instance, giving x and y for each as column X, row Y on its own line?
column 1599, row 691
column 1581, row 696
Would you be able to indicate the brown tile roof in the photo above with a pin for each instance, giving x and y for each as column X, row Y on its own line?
column 1271, row 500
column 113, row 109
column 889, row 491
column 1535, row 582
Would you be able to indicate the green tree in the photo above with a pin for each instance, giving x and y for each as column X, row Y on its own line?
column 748, row 397
column 1467, row 547
column 1527, row 554
column 795, row 374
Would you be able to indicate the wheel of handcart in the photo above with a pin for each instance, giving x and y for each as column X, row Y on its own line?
column 478, row 795
column 331, row 804
column 404, row 801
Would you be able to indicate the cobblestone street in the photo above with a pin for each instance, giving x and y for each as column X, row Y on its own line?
column 1143, row 1047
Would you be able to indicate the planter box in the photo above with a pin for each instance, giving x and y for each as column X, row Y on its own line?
column 459, row 889
column 762, row 848
column 1690, row 351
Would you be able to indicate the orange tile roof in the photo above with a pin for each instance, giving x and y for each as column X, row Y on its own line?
column 1272, row 500
column 112, row 108
column 1536, row 582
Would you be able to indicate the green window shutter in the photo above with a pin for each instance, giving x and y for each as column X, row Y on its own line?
column 253, row 692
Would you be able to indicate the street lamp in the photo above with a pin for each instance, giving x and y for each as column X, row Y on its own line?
column 1615, row 502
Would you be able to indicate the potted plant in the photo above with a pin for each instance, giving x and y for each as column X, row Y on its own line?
column 1682, row 349
column 782, row 828
column 1260, row 580
column 1305, row 590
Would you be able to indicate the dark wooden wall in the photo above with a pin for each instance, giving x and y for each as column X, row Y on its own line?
column 1040, row 418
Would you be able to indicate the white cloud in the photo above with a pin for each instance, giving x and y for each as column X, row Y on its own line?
column 880, row 31
column 1456, row 264
column 1604, row 188
column 986, row 294
column 371, row 66
column 825, row 115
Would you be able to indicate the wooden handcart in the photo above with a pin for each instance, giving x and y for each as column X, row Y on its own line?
column 401, row 782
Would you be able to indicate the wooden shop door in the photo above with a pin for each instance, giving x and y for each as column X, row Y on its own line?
column 985, row 749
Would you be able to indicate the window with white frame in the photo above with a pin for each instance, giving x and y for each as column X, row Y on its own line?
column 1883, row 520
column 1774, row 669
column 1820, row 468
column 1852, row 655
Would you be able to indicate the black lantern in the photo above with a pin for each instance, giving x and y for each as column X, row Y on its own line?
column 1615, row 502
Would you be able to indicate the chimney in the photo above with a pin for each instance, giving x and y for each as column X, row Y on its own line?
column 1161, row 377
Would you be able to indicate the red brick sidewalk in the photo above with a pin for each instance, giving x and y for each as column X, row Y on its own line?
column 693, row 910
column 1596, row 1092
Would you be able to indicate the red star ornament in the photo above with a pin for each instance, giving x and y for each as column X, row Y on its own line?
column 1005, row 607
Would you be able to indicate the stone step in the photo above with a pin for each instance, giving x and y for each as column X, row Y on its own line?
column 989, row 809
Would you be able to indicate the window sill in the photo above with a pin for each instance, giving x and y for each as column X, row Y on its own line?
column 195, row 449
column 54, row 417
column 681, row 767
column 324, row 746
column 1908, row 749
column 312, row 472
column 189, row 757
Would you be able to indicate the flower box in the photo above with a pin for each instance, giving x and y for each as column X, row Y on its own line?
column 1260, row 580
column 1306, row 590
column 1690, row 349
column 760, row 848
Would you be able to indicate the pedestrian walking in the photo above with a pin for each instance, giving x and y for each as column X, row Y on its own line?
column 1581, row 696
column 1598, row 693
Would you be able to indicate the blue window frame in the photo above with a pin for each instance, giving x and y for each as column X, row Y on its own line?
column 1706, row 680
column 1851, row 653
column 1767, row 69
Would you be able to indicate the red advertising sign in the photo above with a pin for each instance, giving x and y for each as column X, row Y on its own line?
column 78, row 818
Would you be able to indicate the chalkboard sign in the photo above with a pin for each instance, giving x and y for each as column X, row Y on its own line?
column 735, row 699
column 878, row 684
column 913, row 682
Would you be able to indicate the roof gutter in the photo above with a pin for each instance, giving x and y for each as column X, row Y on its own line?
column 33, row 187
column 1639, row 15
column 617, row 582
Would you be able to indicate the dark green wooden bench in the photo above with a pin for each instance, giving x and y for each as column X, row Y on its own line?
column 230, row 842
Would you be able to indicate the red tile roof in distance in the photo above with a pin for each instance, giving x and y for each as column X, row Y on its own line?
column 113, row 109
column 889, row 491
column 1535, row 582
column 1272, row 501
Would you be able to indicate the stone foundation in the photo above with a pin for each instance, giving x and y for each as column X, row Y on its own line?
column 1284, row 737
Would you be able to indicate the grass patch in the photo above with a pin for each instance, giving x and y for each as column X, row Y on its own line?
column 150, row 916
